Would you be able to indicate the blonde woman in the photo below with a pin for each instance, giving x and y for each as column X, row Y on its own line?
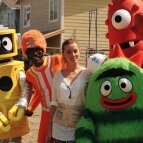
column 68, row 94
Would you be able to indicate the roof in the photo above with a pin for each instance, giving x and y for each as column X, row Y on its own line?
column 54, row 33
column 10, row 3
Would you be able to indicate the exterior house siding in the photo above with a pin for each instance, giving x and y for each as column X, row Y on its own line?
column 39, row 16
column 76, row 23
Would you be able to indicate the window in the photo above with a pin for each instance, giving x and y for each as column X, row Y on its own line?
column 26, row 16
column 53, row 10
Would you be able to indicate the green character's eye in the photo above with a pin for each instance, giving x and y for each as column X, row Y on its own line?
column 106, row 88
column 125, row 85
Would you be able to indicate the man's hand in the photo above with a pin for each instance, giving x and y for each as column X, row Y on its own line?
column 28, row 113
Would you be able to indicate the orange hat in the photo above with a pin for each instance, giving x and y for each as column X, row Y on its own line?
column 33, row 39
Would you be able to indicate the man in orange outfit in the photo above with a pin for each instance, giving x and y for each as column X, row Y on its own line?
column 39, row 76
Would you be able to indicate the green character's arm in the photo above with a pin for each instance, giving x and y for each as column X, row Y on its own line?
column 85, row 132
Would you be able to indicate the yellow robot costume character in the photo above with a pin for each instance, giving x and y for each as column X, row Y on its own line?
column 13, row 89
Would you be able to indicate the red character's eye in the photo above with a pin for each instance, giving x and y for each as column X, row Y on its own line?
column 121, row 19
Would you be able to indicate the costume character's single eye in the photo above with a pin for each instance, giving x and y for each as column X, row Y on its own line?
column 7, row 44
column 106, row 88
column 121, row 19
column 125, row 85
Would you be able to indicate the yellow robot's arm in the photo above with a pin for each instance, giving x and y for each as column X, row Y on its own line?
column 18, row 110
column 4, row 123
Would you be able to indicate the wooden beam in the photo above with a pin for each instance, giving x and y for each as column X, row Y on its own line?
column 54, row 33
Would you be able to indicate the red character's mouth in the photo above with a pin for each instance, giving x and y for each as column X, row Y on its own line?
column 119, row 103
column 127, row 45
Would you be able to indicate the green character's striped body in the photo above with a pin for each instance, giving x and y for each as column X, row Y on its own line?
column 114, row 105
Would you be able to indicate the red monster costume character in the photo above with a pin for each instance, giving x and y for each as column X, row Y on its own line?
column 40, row 77
column 125, row 29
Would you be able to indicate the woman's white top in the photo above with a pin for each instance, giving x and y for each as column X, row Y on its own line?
column 61, row 89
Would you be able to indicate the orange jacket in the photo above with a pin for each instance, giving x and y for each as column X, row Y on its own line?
column 41, row 80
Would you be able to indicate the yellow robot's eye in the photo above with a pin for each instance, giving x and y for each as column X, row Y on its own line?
column 7, row 43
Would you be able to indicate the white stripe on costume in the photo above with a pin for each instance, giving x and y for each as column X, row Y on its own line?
column 44, row 87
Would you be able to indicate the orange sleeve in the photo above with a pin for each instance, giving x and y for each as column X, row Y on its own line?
column 35, row 98
column 34, row 102
column 57, row 63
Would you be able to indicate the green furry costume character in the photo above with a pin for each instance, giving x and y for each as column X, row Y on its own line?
column 114, row 105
